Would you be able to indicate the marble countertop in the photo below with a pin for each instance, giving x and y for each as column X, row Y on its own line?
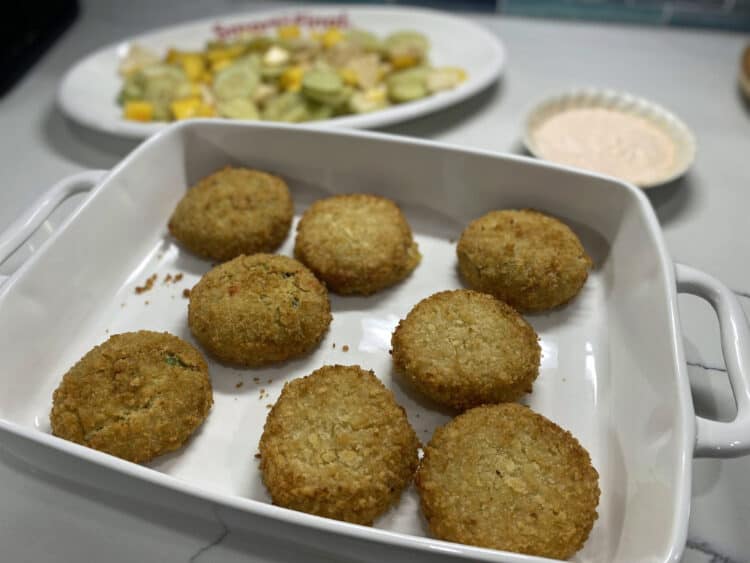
column 45, row 517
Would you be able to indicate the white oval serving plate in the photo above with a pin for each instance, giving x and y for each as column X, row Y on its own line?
column 589, row 98
column 89, row 90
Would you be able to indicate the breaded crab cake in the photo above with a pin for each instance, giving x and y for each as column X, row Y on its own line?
column 464, row 348
column 136, row 396
column 528, row 259
column 259, row 309
column 356, row 244
column 336, row 444
column 233, row 211
column 504, row 477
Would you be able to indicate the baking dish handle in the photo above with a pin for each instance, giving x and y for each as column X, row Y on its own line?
column 30, row 220
column 713, row 438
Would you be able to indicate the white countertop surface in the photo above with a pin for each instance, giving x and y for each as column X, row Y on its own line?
column 45, row 517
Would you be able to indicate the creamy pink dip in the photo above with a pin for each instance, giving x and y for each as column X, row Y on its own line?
column 608, row 141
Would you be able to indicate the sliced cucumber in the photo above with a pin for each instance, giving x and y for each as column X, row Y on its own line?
column 366, row 69
column 260, row 43
column 161, row 85
column 297, row 44
column 183, row 90
column 444, row 78
column 272, row 72
column 318, row 112
column 235, row 81
column 322, row 82
column 138, row 57
column 365, row 39
column 264, row 92
column 407, row 41
column 160, row 91
column 297, row 114
column 252, row 60
column 289, row 106
column 132, row 89
column 325, row 86
column 162, row 112
column 407, row 91
column 334, row 100
column 238, row 108
column 417, row 75
column 364, row 102
column 163, row 71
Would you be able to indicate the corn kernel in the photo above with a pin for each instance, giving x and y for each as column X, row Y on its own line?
column 229, row 52
column 185, row 108
column 349, row 76
column 236, row 50
column 139, row 111
column 205, row 110
column 376, row 95
column 219, row 64
column 288, row 32
column 173, row 56
column 193, row 65
column 291, row 79
column 216, row 54
column 331, row 36
column 403, row 61
column 444, row 78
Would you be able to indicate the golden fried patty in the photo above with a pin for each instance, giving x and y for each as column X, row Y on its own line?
column 529, row 260
column 336, row 444
column 233, row 211
column 136, row 396
column 464, row 348
column 504, row 477
column 356, row 244
column 259, row 309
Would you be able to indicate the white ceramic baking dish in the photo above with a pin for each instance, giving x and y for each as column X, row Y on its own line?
column 613, row 369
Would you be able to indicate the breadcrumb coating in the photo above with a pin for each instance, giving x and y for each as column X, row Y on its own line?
column 336, row 444
column 259, row 309
column 528, row 259
column 464, row 348
column 233, row 211
column 504, row 477
column 136, row 396
column 356, row 244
